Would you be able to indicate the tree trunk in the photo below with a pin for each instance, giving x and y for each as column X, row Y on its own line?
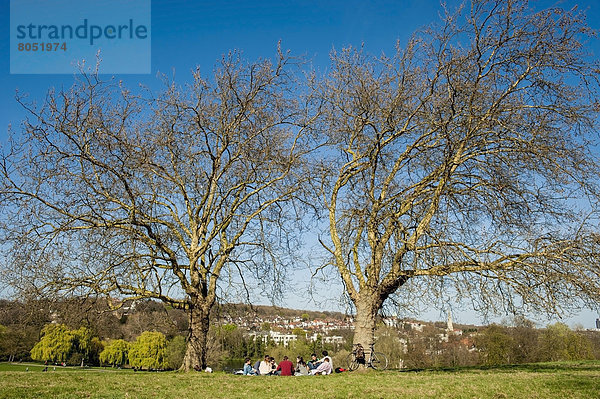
column 199, row 322
column 364, row 324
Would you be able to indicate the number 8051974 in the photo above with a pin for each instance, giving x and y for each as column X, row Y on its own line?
column 25, row 46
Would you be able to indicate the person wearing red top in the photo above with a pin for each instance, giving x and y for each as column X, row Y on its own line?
column 285, row 367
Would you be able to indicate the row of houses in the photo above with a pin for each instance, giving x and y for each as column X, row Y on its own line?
column 285, row 338
column 322, row 326
column 280, row 329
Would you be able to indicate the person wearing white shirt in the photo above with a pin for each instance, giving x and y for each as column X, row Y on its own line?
column 324, row 368
column 326, row 355
column 265, row 366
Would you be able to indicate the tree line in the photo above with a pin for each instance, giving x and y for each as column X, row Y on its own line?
column 70, row 331
column 60, row 345
column 101, row 343
column 516, row 342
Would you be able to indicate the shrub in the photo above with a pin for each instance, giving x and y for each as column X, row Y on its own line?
column 115, row 353
column 149, row 351
column 176, row 351
column 56, row 344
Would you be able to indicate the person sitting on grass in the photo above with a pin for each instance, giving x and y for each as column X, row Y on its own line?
column 313, row 363
column 273, row 366
column 326, row 356
column 257, row 366
column 285, row 367
column 324, row 368
column 265, row 366
column 301, row 367
column 248, row 369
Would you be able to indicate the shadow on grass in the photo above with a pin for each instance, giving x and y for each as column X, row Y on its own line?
column 550, row 367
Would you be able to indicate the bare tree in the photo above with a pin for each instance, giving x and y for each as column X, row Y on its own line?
column 156, row 196
column 464, row 165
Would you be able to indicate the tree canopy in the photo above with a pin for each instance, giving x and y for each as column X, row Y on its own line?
column 59, row 343
column 156, row 195
column 466, row 165
column 115, row 353
column 149, row 351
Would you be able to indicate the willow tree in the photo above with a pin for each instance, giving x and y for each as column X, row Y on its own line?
column 132, row 194
column 464, row 165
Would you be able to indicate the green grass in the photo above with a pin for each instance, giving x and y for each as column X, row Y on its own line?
column 548, row 380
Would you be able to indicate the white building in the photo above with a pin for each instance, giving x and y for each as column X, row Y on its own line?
column 285, row 339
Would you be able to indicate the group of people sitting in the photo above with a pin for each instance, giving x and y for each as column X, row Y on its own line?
column 268, row 366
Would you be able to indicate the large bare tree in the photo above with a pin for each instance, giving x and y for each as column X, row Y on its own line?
column 131, row 194
column 465, row 165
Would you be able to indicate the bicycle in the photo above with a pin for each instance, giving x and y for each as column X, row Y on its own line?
column 375, row 360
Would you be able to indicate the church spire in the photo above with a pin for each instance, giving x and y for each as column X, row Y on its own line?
column 450, row 327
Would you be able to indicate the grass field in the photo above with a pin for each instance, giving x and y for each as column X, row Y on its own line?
column 547, row 380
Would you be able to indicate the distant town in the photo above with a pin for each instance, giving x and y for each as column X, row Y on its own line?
column 268, row 325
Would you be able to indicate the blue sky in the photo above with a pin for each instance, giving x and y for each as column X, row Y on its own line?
column 186, row 34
